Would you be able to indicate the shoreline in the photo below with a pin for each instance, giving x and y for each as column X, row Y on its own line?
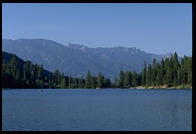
column 138, row 87
column 164, row 87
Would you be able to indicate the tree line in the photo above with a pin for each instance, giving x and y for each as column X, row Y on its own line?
column 169, row 71
column 19, row 74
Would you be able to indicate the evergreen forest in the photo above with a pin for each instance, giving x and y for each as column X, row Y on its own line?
column 169, row 72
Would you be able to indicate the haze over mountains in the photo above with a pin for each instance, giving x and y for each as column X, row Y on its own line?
column 75, row 59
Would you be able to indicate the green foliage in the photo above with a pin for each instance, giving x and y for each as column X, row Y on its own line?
column 93, row 82
column 128, row 80
column 121, row 79
column 19, row 74
column 134, row 79
column 143, row 73
column 100, row 80
column 88, row 80
column 149, row 76
column 63, row 83
column 169, row 72
column 107, row 83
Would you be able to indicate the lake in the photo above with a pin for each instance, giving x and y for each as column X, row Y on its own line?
column 98, row 110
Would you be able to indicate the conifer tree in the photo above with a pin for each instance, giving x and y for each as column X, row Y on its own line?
column 93, row 82
column 88, row 80
column 128, row 81
column 134, row 79
column 149, row 76
column 121, row 79
column 100, row 80
column 107, row 83
column 63, row 83
column 144, row 74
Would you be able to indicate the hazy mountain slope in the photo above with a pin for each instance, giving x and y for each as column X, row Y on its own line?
column 75, row 59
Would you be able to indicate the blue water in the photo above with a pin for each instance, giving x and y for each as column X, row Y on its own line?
column 90, row 109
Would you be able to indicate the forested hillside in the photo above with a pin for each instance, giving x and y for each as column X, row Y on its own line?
column 171, row 72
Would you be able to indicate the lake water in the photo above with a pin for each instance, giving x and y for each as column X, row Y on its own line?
column 90, row 109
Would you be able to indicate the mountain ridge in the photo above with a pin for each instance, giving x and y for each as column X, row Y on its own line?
column 76, row 45
column 75, row 59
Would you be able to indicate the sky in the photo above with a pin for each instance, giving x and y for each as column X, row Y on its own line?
column 153, row 28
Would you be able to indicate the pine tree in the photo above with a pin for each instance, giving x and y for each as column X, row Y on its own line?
column 158, row 77
column 107, row 83
column 71, row 83
column 127, row 82
column 184, row 70
column 116, row 82
column 175, row 69
column 134, row 79
column 93, row 82
column 169, row 76
column 149, row 76
column 190, row 71
column 139, row 79
column 40, row 72
column 154, row 72
column 144, row 74
column 179, row 76
column 121, row 79
column 57, row 78
column 88, row 80
column 81, row 83
column 162, row 72
column 75, row 82
column 100, row 80
column 63, row 85
column 166, row 68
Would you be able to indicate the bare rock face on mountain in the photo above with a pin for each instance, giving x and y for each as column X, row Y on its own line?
column 74, row 59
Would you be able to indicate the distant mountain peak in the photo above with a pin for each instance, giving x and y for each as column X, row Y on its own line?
column 75, row 46
column 68, row 44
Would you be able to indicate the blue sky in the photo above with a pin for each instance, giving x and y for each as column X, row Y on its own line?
column 154, row 28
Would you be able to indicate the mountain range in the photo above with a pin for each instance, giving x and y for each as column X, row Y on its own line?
column 75, row 59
